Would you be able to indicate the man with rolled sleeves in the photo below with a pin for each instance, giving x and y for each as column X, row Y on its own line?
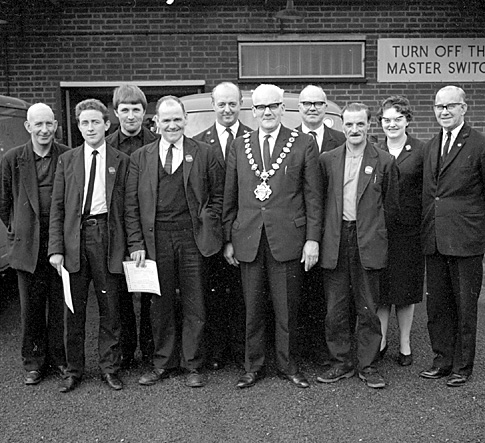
column 27, row 179
column 173, row 216
column 87, row 237
column 225, row 304
column 130, row 104
column 453, row 237
column 272, row 224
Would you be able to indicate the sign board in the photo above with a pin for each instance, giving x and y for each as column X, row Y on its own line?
column 431, row 60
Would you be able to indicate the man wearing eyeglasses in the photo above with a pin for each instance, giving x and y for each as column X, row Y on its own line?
column 224, row 303
column 453, row 237
column 312, row 107
column 272, row 216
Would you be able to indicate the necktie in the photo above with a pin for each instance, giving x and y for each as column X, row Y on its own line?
column 230, row 138
column 446, row 148
column 89, row 195
column 314, row 135
column 266, row 155
column 168, row 160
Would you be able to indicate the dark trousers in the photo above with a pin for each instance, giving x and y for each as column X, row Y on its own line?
column 349, row 283
column 42, row 315
column 453, row 285
column 180, row 265
column 284, row 283
column 226, row 314
column 94, row 266
column 129, row 336
column 311, row 317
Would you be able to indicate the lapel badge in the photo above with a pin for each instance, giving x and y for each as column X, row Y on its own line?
column 368, row 170
column 459, row 145
column 188, row 158
column 111, row 170
column 212, row 140
column 407, row 147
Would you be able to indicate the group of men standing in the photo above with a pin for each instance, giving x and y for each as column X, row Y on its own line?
column 261, row 211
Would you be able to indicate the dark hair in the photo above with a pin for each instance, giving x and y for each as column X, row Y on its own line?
column 356, row 107
column 92, row 104
column 399, row 103
column 130, row 94
column 169, row 98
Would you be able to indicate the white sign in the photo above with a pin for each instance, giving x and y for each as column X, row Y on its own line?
column 431, row 60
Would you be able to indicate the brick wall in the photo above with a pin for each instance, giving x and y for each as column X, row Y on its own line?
column 148, row 40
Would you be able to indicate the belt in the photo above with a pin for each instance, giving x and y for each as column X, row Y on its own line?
column 93, row 220
column 181, row 225
column 348, row 224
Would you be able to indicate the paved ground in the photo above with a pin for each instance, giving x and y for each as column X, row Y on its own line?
column 410, row 409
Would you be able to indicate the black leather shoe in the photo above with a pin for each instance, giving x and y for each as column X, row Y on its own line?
column 33, row 378
column 456, row 380
column 297, row 379
column 383, row 351
column 113, row 381
column 194, row 379
column 435, row 373
column 68, row 384
column 405, row 360
column 150, row 378
column 249, row 379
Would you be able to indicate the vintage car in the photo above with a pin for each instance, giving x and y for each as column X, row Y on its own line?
column 201, row 114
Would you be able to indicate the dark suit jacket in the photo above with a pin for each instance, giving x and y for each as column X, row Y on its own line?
column 147, row 137
column 19, row 204
column 203, row 181
column 293, row 212
column 377, row 205
column 66, row 208
column 210, row 137
column 331, row 139
column 410, row 165
column 454, row 197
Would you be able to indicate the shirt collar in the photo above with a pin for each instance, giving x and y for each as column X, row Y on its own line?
column 123, row 136
column 273, row 134
column 164, row 144
column 101, row 150
column 319, row 131
column 454, row 132
column 222, row 129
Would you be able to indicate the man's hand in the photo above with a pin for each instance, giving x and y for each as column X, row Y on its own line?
column 229, row 254
column 139, row 258
column 57, row 260
column 310, row 254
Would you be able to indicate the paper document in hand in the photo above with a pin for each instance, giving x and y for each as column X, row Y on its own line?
column 142, row 279
column 66, row 284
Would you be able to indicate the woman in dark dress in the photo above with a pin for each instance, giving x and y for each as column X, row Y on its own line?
column 402, row 281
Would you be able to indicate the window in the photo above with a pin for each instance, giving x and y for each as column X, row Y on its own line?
column 301, row 57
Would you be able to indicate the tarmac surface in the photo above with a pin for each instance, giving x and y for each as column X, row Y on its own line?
column 409, row 409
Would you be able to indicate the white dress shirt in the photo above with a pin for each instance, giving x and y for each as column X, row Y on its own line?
column 319, row 132
column 177, row 153
column 224, row 135
column 454, row 134
column 98, row 204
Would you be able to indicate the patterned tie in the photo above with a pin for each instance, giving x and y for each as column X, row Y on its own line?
column 92, row 176
column 446, row 148
column 230, row 139
column 168, row 160
column 266, row 155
